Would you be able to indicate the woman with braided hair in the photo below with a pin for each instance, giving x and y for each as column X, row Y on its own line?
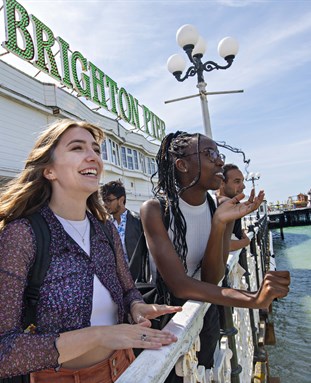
column 196, row 244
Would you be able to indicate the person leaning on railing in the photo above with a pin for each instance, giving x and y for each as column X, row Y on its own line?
column 188, row 166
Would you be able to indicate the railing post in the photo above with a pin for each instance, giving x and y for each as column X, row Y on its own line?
column 257, row 353
column 227, row 329
column 253, row 251
column 262, row 242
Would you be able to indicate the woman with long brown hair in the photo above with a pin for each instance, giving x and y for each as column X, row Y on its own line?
column 87, row 291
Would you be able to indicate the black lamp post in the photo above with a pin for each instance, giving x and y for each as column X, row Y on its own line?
column 194, row 46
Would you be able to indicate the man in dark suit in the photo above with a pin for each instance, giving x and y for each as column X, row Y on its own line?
column 127, row 222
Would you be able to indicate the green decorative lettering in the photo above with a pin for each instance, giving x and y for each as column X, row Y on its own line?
column 157, row 123
column 98, row 82
column 123, row 92
column 162, row 130
column 64, row 48
column 148, row 115
column 153, row 127
column 134, row 110
column 86, row 91
column 44, row 46
column 74, row 76
column 159, row 127
column 11, row 7
column 113, row 90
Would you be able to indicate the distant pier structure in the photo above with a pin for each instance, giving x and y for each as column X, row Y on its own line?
column 287, row 218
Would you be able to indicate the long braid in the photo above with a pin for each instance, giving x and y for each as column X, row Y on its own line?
column 173, row 146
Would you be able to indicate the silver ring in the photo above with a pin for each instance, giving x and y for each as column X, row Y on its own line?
column 143, row 338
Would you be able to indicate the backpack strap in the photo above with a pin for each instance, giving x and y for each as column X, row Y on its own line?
column 211, row 203
column 38, row 270
column 139, row 263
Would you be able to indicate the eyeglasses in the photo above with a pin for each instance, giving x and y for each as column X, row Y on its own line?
column 213, row 155
column 108, row 201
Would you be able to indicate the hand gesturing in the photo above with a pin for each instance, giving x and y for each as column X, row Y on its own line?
column 232, row 209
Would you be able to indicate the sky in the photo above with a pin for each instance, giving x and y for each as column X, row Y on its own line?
column 131, row 40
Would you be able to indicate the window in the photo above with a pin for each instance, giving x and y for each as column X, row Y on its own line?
column 142, row 162
column 135, row 159
column 123, row 156
column 104, row 150
column 114, row 151
column 129, row 158
column 151, row 165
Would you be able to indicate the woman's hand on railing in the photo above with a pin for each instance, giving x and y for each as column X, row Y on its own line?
column 142, row 312
column 125, row 336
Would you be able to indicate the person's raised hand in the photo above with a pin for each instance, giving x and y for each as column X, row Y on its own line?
column 254, row 202
column 232, row 209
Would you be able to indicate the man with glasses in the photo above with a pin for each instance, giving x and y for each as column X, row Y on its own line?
column 231, row 186
column 127, row 222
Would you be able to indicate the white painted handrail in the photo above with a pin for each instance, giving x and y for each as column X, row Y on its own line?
column 153, row 366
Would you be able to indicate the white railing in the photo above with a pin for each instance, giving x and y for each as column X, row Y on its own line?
column 153, row 366
column 241, row 317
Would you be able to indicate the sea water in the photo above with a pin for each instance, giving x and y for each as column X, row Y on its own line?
column 290, row 358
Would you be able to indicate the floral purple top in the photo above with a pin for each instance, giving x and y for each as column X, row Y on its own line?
column 66, row 295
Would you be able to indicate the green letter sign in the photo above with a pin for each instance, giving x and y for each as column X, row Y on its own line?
column 11, row 8
column 75, row 71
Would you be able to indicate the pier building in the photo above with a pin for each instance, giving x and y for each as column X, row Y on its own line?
column 28, row 105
